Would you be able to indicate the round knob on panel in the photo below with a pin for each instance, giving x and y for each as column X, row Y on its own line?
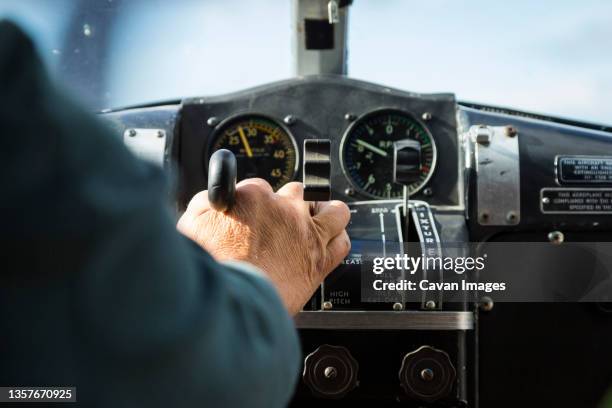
column 330, row 371
column 427, row 374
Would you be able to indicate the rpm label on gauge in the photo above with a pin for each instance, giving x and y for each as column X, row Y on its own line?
column 584, row 169
column 576, row 200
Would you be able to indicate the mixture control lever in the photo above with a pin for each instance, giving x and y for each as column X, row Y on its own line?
column 222, row 180
column 406, row 170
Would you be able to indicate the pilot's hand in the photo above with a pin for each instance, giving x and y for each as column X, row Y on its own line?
column 294, row 242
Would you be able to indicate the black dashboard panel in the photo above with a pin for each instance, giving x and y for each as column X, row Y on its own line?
column 540, row 142
column 507, row 355
column 321, row 107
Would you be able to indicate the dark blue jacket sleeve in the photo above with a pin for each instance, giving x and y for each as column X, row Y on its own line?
column 98, row 289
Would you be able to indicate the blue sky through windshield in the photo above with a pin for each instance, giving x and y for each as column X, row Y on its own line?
column 550, row 56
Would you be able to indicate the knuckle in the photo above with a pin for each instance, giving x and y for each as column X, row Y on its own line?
column 294, row 186
column 343, row 208
column 198, row 198
column 254, row 188
column 347, row 244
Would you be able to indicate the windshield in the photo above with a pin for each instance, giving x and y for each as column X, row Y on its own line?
column 550, row 56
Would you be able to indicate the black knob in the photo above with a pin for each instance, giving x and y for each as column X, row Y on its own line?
column 427, row 374
column 222, row 180
column 406, row 161
column 317, row 170
column 330, row 372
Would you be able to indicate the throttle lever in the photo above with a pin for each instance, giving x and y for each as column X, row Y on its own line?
column 222, row 180
column 317, row 170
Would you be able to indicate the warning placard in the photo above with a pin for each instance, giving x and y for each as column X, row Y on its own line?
column 576, row 200
column 584, row 169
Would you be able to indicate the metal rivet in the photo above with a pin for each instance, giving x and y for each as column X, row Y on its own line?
column 349, row 192
column 398, row 306
column 349, row 117
column 330, row 372
column 545, row 200
column 327, row 305
column 511, row 217
column 212, row 121
column 428, row 192
column 132, row 132
column 160, row 133
column 486, row 304
column 427, row 374
column 430, row 304
column 556, row 237
column 426, row 116
column 289, row 120
column 511, row 131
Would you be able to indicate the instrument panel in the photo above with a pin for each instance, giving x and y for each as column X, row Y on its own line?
column 479, row 156
column 266, row 127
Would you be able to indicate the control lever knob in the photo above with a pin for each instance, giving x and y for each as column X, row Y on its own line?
column 317, row 170
column 406, row 170
column 406, row 161
column 427, row 374
column 330, row 372
column 222, row 180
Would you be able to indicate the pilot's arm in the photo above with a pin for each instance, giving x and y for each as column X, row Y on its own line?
column 100, row 291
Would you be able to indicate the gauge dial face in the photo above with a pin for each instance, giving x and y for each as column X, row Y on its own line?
column 262, row 147
column 367, row 152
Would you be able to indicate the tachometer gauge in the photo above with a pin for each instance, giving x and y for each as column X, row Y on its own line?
column 366, row 152
column 263, row 148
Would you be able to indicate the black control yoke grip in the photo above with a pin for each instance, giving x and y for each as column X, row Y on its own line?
column 222, row 180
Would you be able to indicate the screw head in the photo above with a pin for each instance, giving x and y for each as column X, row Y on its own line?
column 330, row 372
column 484, row 217
column 160, row 133
column 350, row 117
column 132, row 132
column 486, row 304
column 556, row 237
column 428, row 192
column 430, row 305
column 426, row 116
column 349, row 192
column 289, row 120
column 398, row 306
column 427, row 374
column 212, row 121
column 511, row 217
column 545, row 200
column 327, row 305
column 511, row 131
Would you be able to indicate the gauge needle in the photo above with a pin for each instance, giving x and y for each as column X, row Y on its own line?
column 372, row 148
column 245, row 142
